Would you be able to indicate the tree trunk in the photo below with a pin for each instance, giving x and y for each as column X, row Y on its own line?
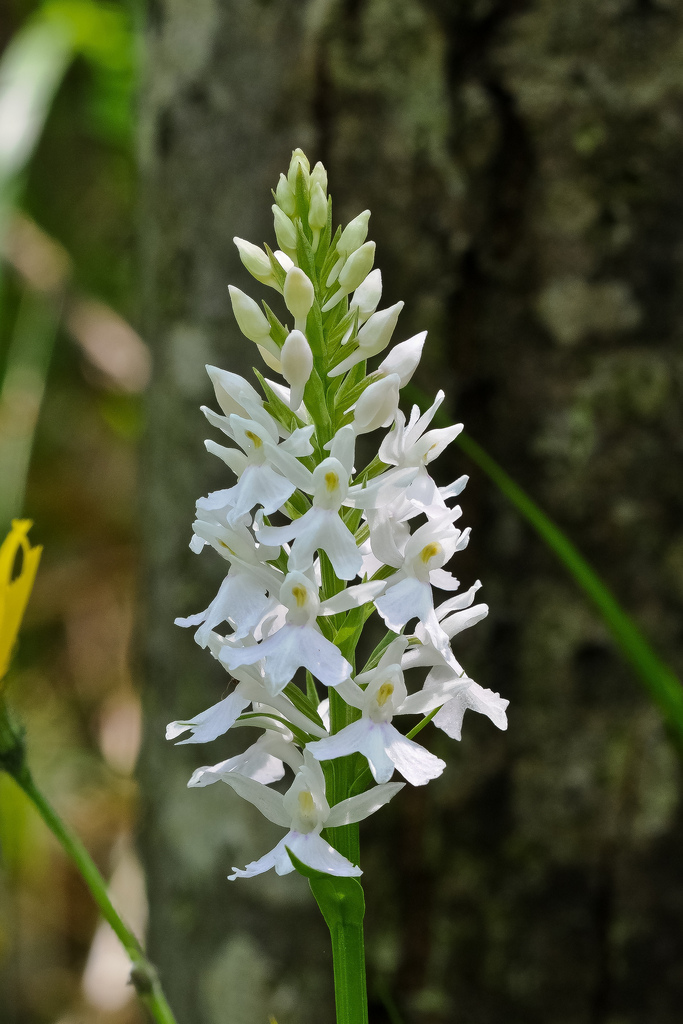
column 522, row 164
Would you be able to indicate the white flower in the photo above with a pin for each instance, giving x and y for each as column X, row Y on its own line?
column 409, row 592
column 411, row 446
column 267, row 471
column 298, row 641
column 374, row 736
column 304, row 811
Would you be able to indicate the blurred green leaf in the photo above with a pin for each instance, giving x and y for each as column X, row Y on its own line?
column 102, row 34
column 31, row 70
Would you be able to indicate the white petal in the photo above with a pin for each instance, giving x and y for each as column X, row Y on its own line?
column 312, row 850
column 259, row 485
column 454, row 489
column 268, row 801
column 456, row 604
column 352, row 597
column 299, row 442
column 403, row 602
column 438, row 692
column 375, row 743
column 256, row 763
column 486, row 702
column 356, row 808
column 211, row 723
column 265, row 863
column 455, row 623
column 343, row 447
column 348, row 740
column 286, row 651
column 443, row 580
column 337, row 541
column 415, row 764
column 191, row 620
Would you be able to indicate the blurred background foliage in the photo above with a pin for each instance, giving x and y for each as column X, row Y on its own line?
column 73, row 373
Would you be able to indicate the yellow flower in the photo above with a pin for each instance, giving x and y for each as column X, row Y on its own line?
column 14, row 593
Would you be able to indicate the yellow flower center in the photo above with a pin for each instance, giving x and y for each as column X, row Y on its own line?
column 300, row 595
column 331, row 481
column 306, row 802
column 254, row 438
column 385, row 692
column 429, row 551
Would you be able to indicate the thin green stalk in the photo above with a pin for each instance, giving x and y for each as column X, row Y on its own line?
column 143, row 973
column 350, row 985
column 342, row 904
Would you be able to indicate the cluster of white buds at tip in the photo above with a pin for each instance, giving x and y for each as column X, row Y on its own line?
column 314, row 545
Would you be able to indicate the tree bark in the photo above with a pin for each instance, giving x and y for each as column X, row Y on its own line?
column 521, row 161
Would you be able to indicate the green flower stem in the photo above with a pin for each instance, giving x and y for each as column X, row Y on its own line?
column 346, row 929
column 342, row 904
column 348, row 960
column 143, row 974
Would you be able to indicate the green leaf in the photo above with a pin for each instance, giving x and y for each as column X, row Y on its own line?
column 374, row 659
column 312, row 690
column 324, row 243
column 305, row 255
column 277, row 407
column 330, row 259
column 302, row 199
column 339, row 897
column 303, row 704
column 278, row 331
column 279, row 272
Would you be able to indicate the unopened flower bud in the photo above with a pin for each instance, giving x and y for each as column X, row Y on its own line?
column 373, row 338
column 354, row 234
column 256, row 261
column 319, row 177
column 283, row 259
column 367, row 295
column 299, row 295
column 296, row 360
column 317, row 212
column 299, row 160
column 353, row 273
column 270, row 354
column 404, row 359
column 285, row 232
column 285, row 197
column 376, row 334
column 377, row 406
column 250, row 318
column 233, row 393
column 357, row 267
